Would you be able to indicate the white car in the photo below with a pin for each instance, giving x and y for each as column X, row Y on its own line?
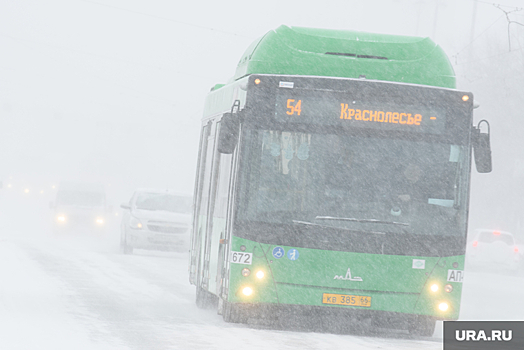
column 80, row 206
column 493, row 251
column 156, row 219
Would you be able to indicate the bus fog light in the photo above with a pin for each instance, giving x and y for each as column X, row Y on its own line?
column 260, row 274
column 448, row 288
column 247, row 291
column 443, row 306
column 246, row 272
column 434, row 287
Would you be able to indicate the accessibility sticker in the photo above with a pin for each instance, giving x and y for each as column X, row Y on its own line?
column 292, row 254
column 278, row 252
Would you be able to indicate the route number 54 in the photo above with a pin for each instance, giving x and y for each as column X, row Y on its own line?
column 294, row 107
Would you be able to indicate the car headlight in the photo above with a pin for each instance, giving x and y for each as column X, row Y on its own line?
column 61, row 218
column 99, row 221
column 135, row 223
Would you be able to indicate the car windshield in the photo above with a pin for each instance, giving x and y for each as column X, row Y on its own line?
column 356, row 183
column 163, row 201
column 494, row 236
column 80, row 198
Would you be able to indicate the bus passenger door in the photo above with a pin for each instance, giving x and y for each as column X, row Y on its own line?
column 201, row 205
column 219, row 226
column 211, row 239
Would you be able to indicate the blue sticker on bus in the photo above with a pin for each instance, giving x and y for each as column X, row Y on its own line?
column 292, row 254
column 278, row 252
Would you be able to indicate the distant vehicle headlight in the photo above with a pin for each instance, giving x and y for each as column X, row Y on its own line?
column 61, row 218
column 135, row 223
column 100, row 221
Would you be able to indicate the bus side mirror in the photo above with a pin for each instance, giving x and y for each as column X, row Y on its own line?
column 482, row 149
column 228, row 135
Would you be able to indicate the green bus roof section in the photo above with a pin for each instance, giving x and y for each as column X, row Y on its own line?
column 348, row 54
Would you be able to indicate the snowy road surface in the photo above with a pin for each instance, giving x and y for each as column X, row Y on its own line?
column 81, row 293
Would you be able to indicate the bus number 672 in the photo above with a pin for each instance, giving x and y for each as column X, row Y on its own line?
column 241, row 258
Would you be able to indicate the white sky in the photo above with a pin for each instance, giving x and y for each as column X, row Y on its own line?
column 113, row 90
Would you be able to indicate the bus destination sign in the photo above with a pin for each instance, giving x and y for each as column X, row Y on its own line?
column 334, row 110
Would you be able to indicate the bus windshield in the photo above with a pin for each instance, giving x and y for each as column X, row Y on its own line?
column 357, row 183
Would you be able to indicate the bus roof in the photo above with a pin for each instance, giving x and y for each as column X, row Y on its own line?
column 347, row 54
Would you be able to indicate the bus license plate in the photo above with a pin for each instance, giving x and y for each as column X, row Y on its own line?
column 349, row 300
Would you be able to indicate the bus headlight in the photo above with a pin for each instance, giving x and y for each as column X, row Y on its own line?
column 247, row 291
column 434, row 287
column 448, row 288
column 260, row 274
column 443, row 306
column 246, row 272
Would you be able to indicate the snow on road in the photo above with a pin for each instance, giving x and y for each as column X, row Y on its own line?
column 81, row 293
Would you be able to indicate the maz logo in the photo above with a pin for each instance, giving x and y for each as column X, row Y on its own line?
column 348, row 277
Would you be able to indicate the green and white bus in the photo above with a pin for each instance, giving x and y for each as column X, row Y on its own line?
column 333, row 180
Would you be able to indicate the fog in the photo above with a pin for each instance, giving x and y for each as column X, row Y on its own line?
column 112, row 91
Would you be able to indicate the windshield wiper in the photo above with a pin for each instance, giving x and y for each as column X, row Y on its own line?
column 375, row 221
column 308, row 223
column 335, row 227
